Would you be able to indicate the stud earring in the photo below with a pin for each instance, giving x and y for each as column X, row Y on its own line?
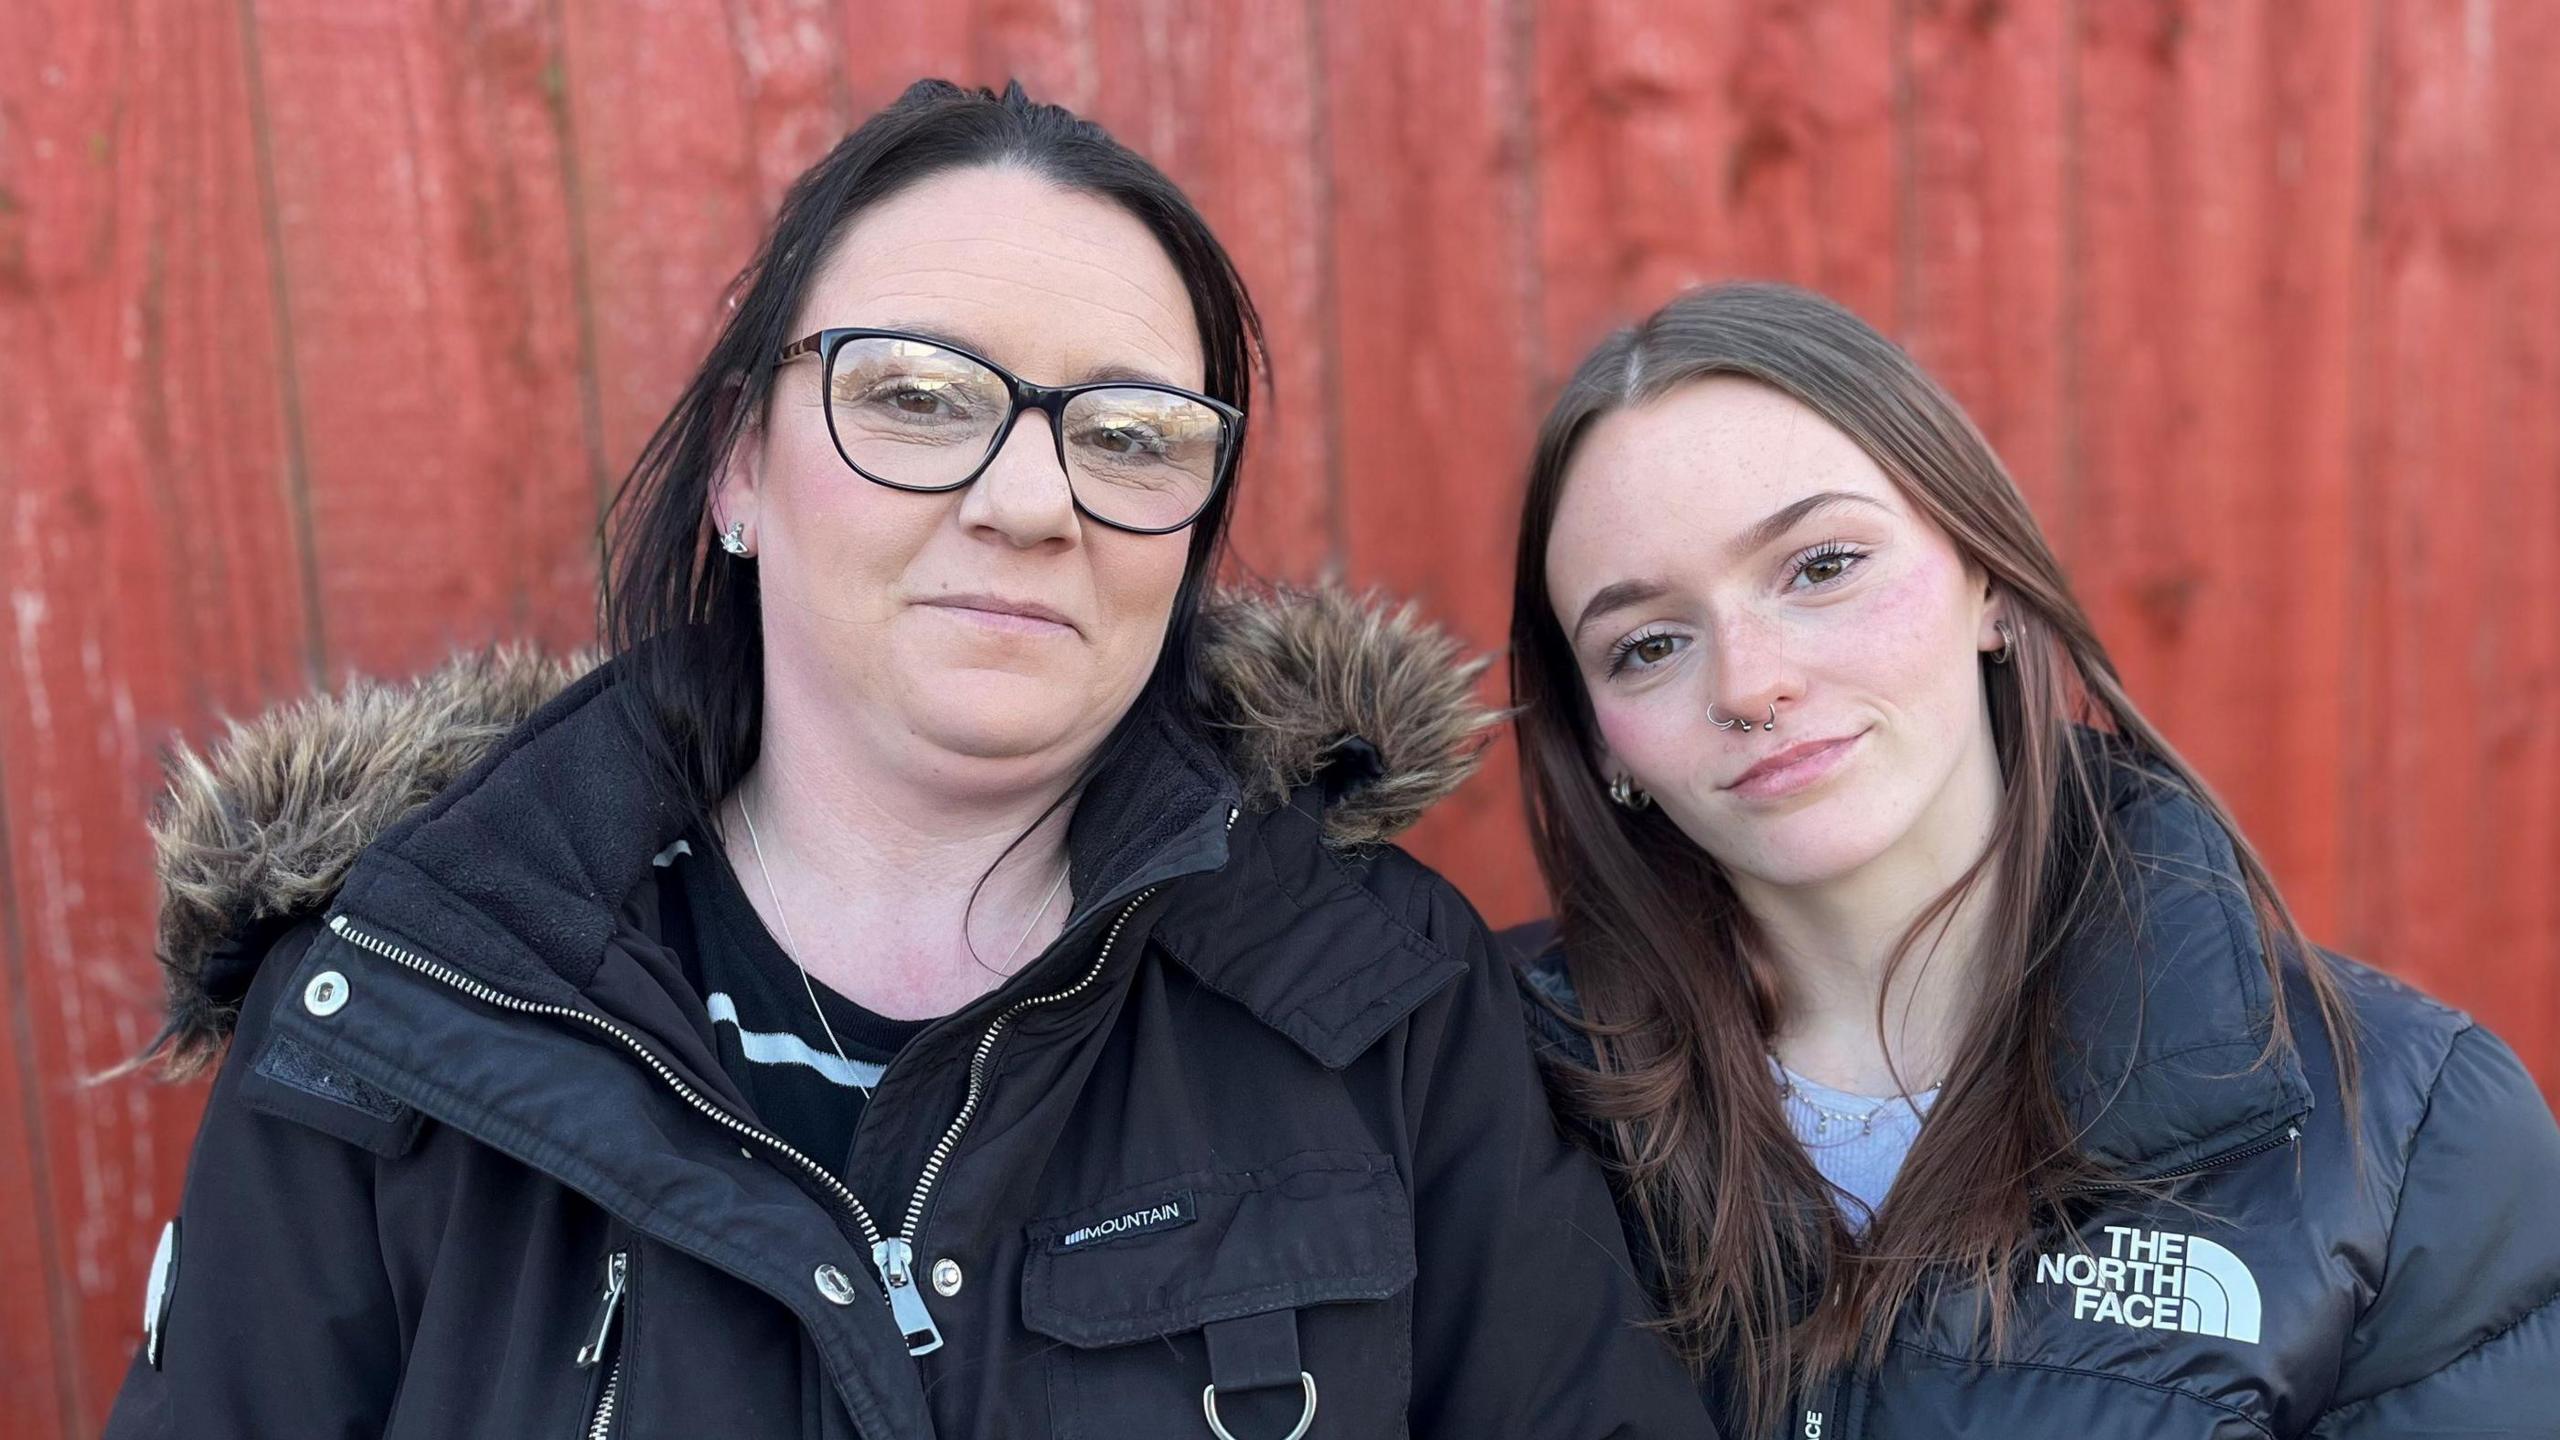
column 734, row 539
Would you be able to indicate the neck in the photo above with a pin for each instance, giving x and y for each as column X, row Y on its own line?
column 869, row 872
column 1835, row 944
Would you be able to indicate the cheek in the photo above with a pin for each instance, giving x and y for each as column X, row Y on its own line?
column 1658, row 733
column 1135, row 579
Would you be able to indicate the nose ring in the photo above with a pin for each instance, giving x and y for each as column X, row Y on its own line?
column 1770, row 724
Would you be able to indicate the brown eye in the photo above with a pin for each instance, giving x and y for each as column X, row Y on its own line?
column 1823, row 569
column 1655, row 650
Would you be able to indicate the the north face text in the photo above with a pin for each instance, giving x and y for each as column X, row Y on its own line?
column 2158, row 1280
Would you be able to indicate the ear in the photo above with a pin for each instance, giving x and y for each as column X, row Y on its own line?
column 1993, row 632
column 737, row 486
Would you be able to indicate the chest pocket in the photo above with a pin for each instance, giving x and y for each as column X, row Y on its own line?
column 1286, row 1287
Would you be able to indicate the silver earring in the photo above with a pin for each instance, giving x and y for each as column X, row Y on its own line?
column 734, row 539
column 2007, row 642
column 1624, row 791
column 1770, row 724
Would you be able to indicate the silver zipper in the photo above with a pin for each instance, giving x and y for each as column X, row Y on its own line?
column 617, row 1273
column 602, row 1425
column 894, row 1260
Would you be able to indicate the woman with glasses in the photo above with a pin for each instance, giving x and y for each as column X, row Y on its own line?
column 1968, row 1074
column 941, row 975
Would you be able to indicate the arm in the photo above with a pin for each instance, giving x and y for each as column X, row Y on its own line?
column 280, row 1321
column 1527, row 1315
column 2463, row 1338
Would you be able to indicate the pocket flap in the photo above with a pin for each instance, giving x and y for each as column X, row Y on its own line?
column 1193, row 1249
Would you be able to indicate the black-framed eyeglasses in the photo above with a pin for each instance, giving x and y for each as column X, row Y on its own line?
column 918, row 414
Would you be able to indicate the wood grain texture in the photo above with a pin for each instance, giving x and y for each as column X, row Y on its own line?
column 2219, row 167
column 432, row 299
column 153, row 580
column 1434, row 321
column 2453, row 766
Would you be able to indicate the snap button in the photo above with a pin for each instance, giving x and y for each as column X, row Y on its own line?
column 946, row 1276
column 326, row 994
column 833, row 1284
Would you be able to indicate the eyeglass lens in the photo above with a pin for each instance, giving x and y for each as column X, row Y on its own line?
column 913, row 414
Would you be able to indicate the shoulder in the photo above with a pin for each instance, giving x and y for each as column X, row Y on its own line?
column 2406, row 1043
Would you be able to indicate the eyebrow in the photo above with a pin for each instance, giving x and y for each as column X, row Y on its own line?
column 1623, row 594
column 1787, row 517
column 1093, row 374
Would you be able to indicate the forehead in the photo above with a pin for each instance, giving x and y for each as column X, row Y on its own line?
column 1048, row 281
column 1661, row 489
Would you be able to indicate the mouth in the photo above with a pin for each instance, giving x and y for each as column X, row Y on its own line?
column 1798, row 766
column 996, row 612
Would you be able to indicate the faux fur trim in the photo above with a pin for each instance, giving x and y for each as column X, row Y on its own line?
column 265, row 826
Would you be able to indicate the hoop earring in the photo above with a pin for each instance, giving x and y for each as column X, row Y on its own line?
column 1770, row 724
column 734, row 539
column 1623, row 790
column 2008, row 642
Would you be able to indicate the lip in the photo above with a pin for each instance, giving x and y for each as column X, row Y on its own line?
column 1002, row 613
column 1803, row 764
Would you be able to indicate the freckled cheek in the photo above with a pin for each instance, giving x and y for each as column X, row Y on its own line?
column 1659, row 734
column 1901, row 647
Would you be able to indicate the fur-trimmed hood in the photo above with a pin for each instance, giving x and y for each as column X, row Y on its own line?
column 264, row 827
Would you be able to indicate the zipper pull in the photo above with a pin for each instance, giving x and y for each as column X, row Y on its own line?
column 617, row 1272
column 896, row 1262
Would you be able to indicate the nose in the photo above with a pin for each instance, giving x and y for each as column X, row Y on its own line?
column 1753, row 678
column 1022, row 498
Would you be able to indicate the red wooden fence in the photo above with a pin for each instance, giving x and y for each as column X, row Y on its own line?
column 326, row 324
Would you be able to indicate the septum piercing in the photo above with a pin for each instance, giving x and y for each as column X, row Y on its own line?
column 1770, row 724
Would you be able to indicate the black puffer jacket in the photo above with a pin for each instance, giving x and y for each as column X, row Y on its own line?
column 1263, row 1118
column 2285, row 1292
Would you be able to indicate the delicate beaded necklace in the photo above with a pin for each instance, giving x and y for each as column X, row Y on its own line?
column 1792, row 1086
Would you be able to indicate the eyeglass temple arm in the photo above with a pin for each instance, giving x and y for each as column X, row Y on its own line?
column 805, row 345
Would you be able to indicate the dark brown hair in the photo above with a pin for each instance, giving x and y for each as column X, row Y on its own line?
column 1764, row 1279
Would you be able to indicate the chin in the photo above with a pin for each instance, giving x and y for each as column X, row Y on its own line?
column 1003, row 714
column 1812, row 846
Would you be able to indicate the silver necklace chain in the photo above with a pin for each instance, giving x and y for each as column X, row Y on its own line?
column 791, row 945
column 1791, row 1086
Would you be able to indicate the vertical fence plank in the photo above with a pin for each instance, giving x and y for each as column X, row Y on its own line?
column 431, row 299
column 1433, row 324
column 153, row 578
column 1681, row 141
column 2218, row 191
column 2442, row 826
column 2522, row 926
column 1986, row 168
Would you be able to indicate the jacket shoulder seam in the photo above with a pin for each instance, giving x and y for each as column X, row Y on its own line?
column 2408, row 1158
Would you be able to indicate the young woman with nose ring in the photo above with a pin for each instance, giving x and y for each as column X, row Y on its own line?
column 1963, row 1070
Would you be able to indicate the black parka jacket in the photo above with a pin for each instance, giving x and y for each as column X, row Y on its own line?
column 1263, row 1118
column 2286, row 1287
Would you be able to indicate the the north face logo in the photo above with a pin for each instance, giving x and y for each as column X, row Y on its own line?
column 2158, row 1280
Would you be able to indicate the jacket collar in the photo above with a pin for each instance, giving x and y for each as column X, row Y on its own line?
column 2168, row 1006
column 494, row 811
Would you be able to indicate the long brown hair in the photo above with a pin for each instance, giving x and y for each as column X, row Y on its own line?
column 1764, row 1279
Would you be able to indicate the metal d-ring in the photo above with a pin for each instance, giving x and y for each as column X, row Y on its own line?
column 1209, row 1407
